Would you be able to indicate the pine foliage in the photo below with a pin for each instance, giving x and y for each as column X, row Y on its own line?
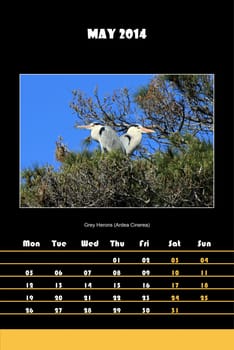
column 181, row 176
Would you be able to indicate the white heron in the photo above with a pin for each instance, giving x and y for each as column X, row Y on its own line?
column 105, row 135
column 133, row 137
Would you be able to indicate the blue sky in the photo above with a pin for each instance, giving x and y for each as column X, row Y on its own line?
column 45, row 113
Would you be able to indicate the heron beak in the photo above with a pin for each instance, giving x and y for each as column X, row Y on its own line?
column 145, row 130
column 82, row 126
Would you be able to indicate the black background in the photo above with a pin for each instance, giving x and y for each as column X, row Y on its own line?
column 182, row 38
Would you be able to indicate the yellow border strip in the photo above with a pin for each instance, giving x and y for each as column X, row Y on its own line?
column 116, row 339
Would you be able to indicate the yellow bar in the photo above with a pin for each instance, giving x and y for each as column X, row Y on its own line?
column 116, row 339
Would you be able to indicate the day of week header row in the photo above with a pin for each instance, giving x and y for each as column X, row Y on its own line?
column 112, row 243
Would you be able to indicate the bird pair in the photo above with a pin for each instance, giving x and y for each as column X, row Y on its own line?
column 109, row 140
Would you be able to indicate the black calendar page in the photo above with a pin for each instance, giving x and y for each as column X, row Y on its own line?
column 144, row 267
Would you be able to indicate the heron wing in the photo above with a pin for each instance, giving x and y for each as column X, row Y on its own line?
column 110, row 140
column 131, row 142
column 126, row 140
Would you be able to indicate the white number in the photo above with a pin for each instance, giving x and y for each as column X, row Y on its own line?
column 146, row 285
column 116, row 310
column 29, row 272
column 132, row 34
column 117, row 285
column 29, row 310
column 58, row 310
column 58, row 272
column 142, row 33
column 58, row 285
column 129, row 33
column 88, row 285
column 145, row 272
column 116, row 272
column 87, row 272
column 145, row 310
column 87, row 310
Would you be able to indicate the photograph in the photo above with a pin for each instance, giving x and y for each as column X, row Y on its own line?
column 116, row 140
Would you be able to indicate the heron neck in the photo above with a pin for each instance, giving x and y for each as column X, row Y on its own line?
column 137, row 136
column 95, row 132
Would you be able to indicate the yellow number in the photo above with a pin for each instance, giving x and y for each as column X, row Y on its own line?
column 204, row 285
column 175, row 285
column 175, row 272
column 204, row 272
column 174, row 310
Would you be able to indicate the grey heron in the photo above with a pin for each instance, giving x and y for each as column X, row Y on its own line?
column 105, row 135
column 133, row 137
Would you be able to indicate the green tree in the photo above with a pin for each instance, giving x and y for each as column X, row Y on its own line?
column 180, row 177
